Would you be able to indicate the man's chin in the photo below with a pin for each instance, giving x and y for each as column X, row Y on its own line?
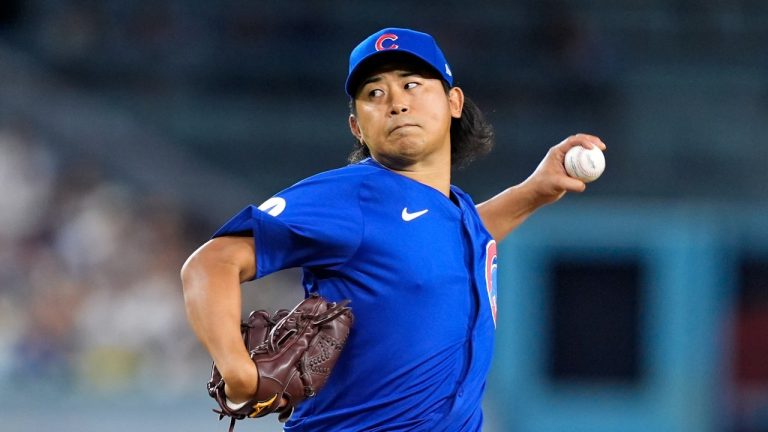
column 403, row 157
column 398, row 161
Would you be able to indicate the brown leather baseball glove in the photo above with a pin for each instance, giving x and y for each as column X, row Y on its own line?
column 294, row 352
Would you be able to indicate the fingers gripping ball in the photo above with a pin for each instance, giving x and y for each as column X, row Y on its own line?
column 584, row 164
column 294, row 352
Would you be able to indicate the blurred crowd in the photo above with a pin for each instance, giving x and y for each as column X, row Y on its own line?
column 90, row 297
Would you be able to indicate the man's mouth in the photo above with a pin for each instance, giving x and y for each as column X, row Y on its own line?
column 401, row 126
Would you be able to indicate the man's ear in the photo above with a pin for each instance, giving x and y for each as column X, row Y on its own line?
column 355, row 128
column 456, row 101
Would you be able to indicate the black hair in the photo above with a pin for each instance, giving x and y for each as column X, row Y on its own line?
column 472, row 136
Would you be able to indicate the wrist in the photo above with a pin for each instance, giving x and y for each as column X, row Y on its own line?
column 535, row 194
column 528, row 197
column 241, row 383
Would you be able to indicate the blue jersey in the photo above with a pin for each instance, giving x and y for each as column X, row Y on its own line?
column 420, row 270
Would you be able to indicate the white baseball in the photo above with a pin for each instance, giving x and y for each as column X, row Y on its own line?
column 584, row 164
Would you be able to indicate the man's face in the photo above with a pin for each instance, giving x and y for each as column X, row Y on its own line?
column 403, row 115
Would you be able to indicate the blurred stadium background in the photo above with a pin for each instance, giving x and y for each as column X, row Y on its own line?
column 130, row 130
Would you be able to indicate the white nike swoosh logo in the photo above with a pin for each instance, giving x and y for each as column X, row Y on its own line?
column 411, row 216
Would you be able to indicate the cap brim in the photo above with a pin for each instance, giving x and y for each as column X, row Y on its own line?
column 378, row 58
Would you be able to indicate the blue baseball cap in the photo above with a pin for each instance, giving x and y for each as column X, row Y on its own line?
column 417, row 44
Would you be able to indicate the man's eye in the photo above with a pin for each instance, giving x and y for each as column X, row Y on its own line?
column 375, row 93
column 411, row 85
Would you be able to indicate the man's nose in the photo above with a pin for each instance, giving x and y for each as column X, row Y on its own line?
column 399, row 104
column 398, row 108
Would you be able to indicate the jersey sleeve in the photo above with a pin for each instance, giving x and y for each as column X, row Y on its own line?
column 315, row 223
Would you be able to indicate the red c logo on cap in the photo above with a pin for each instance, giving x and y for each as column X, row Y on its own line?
column 386, row 37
